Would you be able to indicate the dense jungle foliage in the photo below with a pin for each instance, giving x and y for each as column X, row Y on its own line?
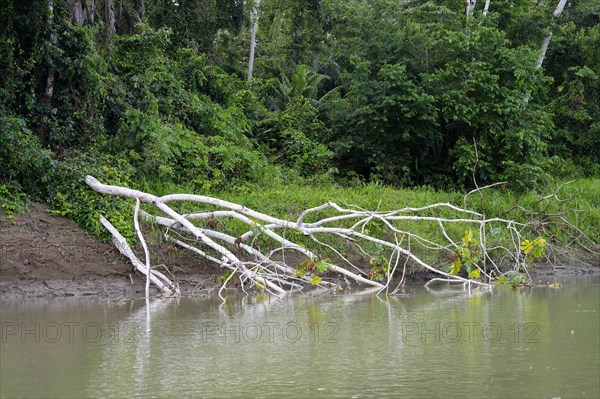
column 154, row 93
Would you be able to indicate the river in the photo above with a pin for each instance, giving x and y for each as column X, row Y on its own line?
column 540, row 342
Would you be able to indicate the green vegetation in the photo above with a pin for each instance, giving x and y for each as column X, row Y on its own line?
column 467, row 255
column 288, row 201
column 379, row 104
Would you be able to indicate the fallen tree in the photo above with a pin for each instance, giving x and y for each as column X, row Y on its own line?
column 473, row 261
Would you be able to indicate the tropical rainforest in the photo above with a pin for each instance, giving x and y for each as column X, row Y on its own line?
column 295, row 97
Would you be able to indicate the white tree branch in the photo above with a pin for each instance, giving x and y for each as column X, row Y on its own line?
column 244, row 254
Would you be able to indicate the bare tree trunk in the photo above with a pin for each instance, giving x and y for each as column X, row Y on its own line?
column 93, row 11
column 138, row 231
column 470, row 7
column 545, row 44
column 140, row 9
column 49, row 91
column 254, row 22
column 110, row 19
column 559, row 8
column 486, row 7
column 79, row 12
column 546, row 41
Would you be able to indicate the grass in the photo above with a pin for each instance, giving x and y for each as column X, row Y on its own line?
column 579, row 202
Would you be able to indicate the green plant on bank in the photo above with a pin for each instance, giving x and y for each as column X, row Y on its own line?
column 225, row 277
column 288, row 201
column 466, row 255
column 312, row 268
column 25, row 165
column 380, row 266
column 12, row 200
column 533, row 249
column 71, row 197
column 515, row 279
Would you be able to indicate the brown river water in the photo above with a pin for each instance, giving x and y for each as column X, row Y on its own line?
column 540, row 342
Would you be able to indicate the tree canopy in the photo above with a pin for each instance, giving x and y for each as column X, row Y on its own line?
column 404, row 93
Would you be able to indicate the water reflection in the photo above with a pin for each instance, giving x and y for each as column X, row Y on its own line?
column 540, row 342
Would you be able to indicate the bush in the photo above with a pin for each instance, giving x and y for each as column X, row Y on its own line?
column 25, row 164
column 72, row 197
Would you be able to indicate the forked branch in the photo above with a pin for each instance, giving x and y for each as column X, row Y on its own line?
column 258, row 254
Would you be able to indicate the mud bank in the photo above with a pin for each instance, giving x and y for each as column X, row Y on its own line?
column 42, row 255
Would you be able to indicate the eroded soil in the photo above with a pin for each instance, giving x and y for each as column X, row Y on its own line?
column 46, row 255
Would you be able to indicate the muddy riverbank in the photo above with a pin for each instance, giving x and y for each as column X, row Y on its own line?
column 42, row 255
column 45, row 255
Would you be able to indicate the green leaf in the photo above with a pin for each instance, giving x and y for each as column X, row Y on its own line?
column 474, row 274
column 322, row 265
column 468, row 238
column 298, row 273
column 534, row 249
column 539, row 247
column 316, row 280
column 455, row 268
column 377, row 276
column 466, row 255
column 526, row 247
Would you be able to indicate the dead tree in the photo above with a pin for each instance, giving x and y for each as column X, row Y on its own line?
column 330, row 224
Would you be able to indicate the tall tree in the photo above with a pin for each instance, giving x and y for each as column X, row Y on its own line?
column 486, row 7
column 80, row 13
column 254, row 22
column 49, row 91
column 140, row 9
column 546, row 41
column 470, row 7
column 109, row 17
